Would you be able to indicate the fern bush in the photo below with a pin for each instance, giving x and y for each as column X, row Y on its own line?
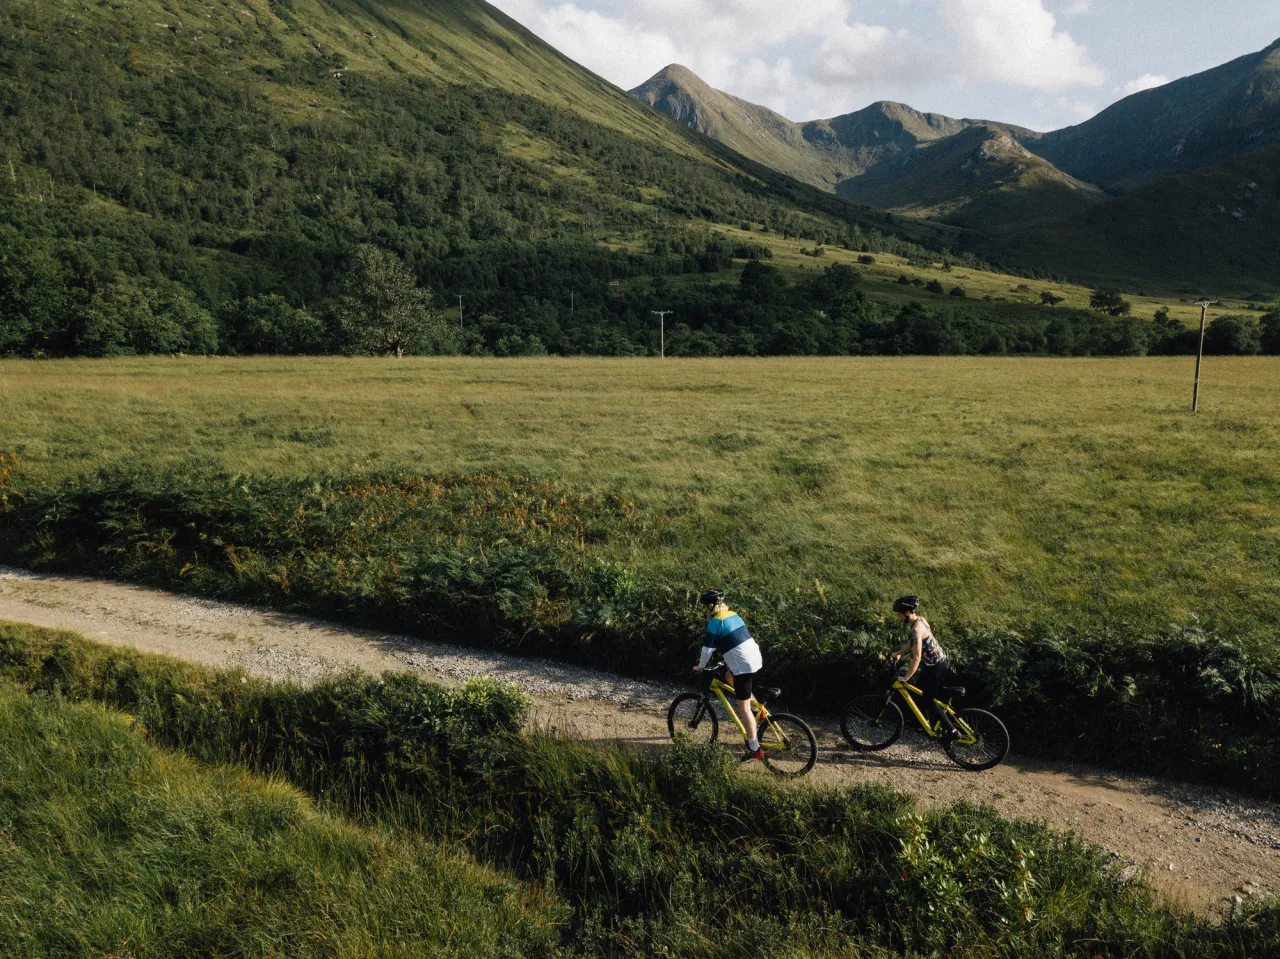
column 506, row 562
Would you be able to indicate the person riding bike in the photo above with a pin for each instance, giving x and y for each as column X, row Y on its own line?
column 928, row 658
column 727, row 635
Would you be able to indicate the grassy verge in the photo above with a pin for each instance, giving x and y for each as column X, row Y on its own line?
column 667, row 855
column 112, row 846
column 515, row 564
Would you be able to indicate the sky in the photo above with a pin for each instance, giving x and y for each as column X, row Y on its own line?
column 1044, row 64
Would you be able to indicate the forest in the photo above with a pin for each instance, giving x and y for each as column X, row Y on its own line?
column 153, row 210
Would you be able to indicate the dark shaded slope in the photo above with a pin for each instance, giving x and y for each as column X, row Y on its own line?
column 1189, row 123
column 1215, row 230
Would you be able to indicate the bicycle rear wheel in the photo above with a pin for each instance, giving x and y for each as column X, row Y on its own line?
column 987, row 746
column 871, row 722
column 790, row 748
column 693, row 715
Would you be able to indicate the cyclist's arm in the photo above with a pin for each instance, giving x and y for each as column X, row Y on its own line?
column 705, row 657
column 916, row 652
column 708, row 648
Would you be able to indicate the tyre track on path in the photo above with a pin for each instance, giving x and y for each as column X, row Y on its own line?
column 1202, row 846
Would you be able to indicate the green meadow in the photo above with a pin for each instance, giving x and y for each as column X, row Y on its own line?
column 1001, row 490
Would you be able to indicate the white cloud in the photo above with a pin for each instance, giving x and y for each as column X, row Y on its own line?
column 1079, row 110
column 1016, row 42
column 1079, row 7
column 1144, row 82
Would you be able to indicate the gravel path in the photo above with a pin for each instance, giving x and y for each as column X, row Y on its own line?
column 1202, row 846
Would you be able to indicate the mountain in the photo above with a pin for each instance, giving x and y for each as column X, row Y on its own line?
column 754, row 131
column 1210, row 231
column 824, row 153
column 166, row 151
column 981, row 178
column 1183, row 125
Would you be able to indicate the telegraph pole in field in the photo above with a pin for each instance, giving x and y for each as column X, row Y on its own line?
column 1195, row 396
column 459, row 312
column 662, row 329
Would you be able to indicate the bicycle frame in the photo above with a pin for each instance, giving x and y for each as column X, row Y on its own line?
column 720, row 688
column 905, row 689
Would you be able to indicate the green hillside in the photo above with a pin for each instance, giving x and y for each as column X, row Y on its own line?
column 1215, row 230
column 1184, row 125
column 169, row 159
column 980, row 178
column 752, row 130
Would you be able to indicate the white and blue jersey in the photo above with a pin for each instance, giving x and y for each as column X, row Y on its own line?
column 727, row 635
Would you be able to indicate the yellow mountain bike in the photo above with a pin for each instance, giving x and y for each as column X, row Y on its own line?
column 874, row 722
column 790, row 748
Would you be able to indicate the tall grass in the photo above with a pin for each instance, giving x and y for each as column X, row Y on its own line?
column 510, row 563
column 667, row 855
column 113, row 847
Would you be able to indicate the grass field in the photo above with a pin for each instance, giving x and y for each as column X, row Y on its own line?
column 1000, row 490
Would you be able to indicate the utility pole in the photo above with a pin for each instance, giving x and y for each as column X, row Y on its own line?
column 571, row 296
column 662, row 330
column 459, row 312
column 1195, row 396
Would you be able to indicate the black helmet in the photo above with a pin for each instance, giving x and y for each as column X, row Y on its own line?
column 906, row 604
column 711, row 597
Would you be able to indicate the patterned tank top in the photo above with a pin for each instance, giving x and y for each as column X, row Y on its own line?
column 931, row 651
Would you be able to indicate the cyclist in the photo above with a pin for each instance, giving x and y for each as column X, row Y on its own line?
column 727, row 635
column 928, row 658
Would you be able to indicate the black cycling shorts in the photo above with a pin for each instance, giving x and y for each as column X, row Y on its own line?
column 742, row 685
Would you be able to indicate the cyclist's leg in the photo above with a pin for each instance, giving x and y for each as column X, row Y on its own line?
column 742, row 701
column 932, row 679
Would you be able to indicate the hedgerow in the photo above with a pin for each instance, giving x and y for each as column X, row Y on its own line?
column 506, row 562
column 667, row 854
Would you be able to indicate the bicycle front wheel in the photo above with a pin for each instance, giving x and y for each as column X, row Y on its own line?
column 790, row 748
column 692, row 715
column 872, row 722
column 984, row 744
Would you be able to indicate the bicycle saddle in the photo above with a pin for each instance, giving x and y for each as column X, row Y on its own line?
column 954, row 690
column 767, row 693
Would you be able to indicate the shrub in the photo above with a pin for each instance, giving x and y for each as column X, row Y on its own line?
column 644, row 848
column 902, row 280
column 933, row 286
column 1269, row 340
column 1109, row 302
column 957, row 291
column 866, row 259
column 497, row 561
column 1048, row 298
column 1234, row 336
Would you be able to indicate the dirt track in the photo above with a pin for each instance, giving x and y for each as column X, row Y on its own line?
column 1200, row 845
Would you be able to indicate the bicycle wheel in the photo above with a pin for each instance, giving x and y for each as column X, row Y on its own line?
column 988, row 746
column 691, row 714
column 871, row 722
column 790, row 748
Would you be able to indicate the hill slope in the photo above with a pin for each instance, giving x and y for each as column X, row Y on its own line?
column 980, row 178
column 244, row 150
column 752, row 130
column 1189, row 123
column 1215, row 230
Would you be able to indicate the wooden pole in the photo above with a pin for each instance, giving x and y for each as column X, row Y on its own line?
column 1195, row 395
column 662, row 330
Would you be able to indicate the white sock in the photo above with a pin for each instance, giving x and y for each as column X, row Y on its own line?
column 753, row 744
